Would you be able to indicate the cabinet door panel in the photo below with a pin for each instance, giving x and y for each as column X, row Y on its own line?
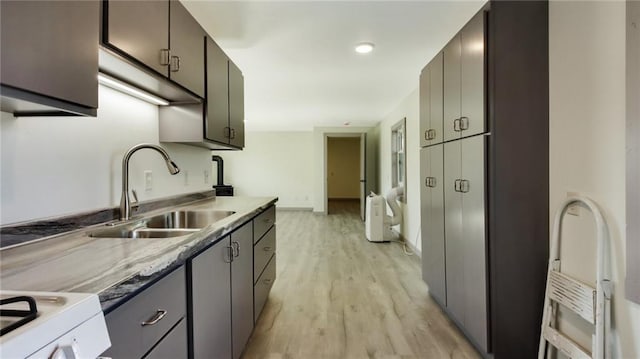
column 473, row 224
column 472, row 75
column 139, row 29
column 51, row 48
column 211, row 300
column 455, row 243
column 451, row 75
column 217, row 115
column 186, row 38
column 242, row 288
column 436, row 97
column 236, row 105
column 425, row 110
column 433, row 240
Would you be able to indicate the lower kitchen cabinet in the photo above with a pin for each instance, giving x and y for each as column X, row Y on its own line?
column 241, row 287
column 210, row 296
column 143, row 322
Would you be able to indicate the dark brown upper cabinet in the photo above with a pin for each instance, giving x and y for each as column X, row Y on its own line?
column 160, row 35
column 224, row 118
column 49, row 57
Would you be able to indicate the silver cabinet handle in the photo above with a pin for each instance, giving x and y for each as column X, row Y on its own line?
column 175, row 63
column 430, row 182
column 267, row 249
column 267, row 281
column 233, row 133
column 229, row 257
column 155, row 318
column 227, row 132
column 464, row 186
column 236, row 248
column 426, row 135
column 456, row 125
column 164, row 57
column 430, row 134
column 456, row 185
column 464, row 123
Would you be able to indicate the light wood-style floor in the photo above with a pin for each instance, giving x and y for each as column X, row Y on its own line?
column 339, row 296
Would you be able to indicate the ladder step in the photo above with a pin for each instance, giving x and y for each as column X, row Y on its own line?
column 565, row 345
column 575, row 295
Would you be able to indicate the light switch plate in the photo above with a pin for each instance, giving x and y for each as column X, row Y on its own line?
column 573, row 210
column 148, row 180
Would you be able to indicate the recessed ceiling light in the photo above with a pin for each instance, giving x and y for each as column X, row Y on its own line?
column 364, row 47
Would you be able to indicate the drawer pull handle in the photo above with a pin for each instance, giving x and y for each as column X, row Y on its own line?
column 156, row 318
column 267, row 281
column 267, row 249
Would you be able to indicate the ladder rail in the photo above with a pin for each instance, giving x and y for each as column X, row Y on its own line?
column 603, row 285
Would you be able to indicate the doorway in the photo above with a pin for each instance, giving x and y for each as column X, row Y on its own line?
column 346, row 173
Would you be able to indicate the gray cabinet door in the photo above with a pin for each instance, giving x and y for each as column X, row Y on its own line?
column 187, row 49
column 140, row 29
column 242, row 287
column 432, row 221
column 474, row 234
column 473, row 77
column 236, row 106
column 211, row 301
column 425, row 109
column 51, row 48
column 451, row 76
column 217, row 114
column 172, row 346
column 455, row 242
column 436, row 98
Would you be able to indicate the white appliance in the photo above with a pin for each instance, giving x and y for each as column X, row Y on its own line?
column 377, row 223
column 66, row 326
column 374, row 218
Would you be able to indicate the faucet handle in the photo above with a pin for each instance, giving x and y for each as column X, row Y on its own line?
column 135, row 196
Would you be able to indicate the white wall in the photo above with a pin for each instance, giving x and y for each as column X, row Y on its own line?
column 272, row 164
column 409, row 109
column 60, row 165
column 343, row 167
column 587, row 145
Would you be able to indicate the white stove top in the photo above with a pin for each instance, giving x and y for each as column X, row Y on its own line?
column 67, row 325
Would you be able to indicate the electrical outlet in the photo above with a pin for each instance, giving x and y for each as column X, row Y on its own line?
column 573, row 210
column 148, row 180
column 186, row 178
column 206, row 176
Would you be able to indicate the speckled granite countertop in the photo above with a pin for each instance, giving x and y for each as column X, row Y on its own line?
column 116, row 269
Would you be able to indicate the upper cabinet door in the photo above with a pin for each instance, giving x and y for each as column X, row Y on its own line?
column 451, row 76
column 236, row 106
column 187, row 49
column 50, row 48
column 425, row 109
column 217, row 114
column 436, row 98
column 472, row 111
column 139, row 29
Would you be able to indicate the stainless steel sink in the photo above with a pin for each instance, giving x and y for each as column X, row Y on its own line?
column 142, row 232
column 186, row 219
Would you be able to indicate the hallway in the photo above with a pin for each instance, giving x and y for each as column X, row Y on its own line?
column 339, row 296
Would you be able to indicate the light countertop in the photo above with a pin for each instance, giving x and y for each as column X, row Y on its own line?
column 115, row 268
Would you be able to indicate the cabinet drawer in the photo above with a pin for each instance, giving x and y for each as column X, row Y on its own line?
column 174, row 345
column 129, row 337
column 262, row 287
column 262, row 252
column 263, row 222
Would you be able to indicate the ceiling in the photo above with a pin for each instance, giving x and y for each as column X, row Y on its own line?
column 298, row 57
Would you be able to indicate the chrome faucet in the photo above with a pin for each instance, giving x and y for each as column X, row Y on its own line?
column 125, row 202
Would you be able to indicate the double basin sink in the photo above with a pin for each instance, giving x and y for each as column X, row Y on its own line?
column 166, row 225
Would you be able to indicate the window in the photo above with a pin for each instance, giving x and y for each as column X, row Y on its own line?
column 398, row 156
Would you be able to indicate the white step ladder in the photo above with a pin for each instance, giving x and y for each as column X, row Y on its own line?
column 591, row 304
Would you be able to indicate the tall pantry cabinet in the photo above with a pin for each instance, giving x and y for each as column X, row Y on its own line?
column 484, row 168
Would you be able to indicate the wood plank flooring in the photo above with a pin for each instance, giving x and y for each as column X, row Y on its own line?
column 339, row 296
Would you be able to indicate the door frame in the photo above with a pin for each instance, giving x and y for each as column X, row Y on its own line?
column 363, row 166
